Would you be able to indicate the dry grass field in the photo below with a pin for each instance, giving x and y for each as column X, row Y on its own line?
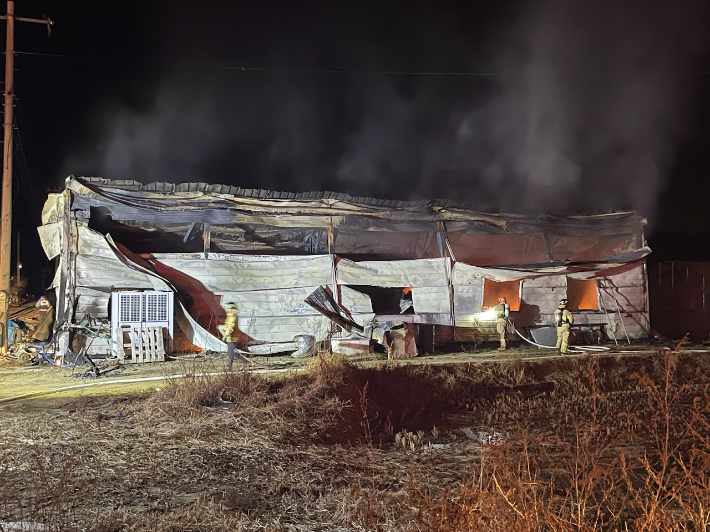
column 581, row 443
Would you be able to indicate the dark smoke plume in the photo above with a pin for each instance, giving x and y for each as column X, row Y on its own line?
column 584, row 109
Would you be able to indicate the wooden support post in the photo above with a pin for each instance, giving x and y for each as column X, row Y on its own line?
column 6, row 199
column 207, row 239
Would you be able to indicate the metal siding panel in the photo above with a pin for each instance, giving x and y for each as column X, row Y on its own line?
column 281, row 302
column 414, row 273
column 284, row 328
column 96, row 306
column 467, row 301
column 233, row 276
column 433, row 319
column 632, row 277
column 431, row 300
column 98, row 272
column 544, row 283
column 545, row 293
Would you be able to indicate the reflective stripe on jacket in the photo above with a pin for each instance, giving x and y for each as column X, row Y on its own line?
column 502, row 310
column 563, row 317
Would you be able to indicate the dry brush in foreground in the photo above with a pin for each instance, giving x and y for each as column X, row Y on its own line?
column 579, row 444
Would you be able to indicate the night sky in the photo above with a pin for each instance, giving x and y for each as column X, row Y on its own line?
column 514, row 105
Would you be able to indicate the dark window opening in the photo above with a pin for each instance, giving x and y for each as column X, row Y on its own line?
column 388, row 301
column 149, row 237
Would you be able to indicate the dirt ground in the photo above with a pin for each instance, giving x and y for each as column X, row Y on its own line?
column 446, row 442
column 18, row 380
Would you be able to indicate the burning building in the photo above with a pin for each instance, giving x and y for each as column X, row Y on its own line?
column 435, row 264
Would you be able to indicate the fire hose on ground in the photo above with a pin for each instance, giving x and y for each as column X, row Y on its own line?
column 576, row 349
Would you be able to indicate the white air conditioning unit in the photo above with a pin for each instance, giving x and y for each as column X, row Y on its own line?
column 141, row 323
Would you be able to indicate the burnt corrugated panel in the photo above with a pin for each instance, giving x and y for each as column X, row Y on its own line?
column 549, row 216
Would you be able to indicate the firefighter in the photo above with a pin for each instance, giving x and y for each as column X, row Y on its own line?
column 43, row 330
column 502, row 310
column 230, row 335
column 563, row 321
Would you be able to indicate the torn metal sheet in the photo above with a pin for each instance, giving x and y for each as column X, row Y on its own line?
column 50, row 235
column 358, row 304
column 195, row 333
column 53, row 209
column 324, row 303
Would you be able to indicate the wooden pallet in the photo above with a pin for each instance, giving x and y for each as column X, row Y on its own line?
column 141, row 344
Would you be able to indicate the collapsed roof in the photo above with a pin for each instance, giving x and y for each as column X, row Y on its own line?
column 169, row 218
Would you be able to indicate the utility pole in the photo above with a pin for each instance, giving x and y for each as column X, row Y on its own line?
column 18, row 263
column 6, row 200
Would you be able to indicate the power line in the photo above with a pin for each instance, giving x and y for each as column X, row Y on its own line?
column 237, row 68
column 24, row 173
column 267, row 69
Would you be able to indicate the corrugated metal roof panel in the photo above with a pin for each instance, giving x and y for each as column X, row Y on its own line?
column 237, row 192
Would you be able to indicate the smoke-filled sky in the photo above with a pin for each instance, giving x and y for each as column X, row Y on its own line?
column 529, row 104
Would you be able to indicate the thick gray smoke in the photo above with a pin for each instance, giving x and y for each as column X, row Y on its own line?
column 590, row 115
column 585, row 110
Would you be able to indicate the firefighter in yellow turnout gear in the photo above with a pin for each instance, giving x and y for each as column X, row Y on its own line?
column 502, row 310
column 230, row 335
column 563, row 321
